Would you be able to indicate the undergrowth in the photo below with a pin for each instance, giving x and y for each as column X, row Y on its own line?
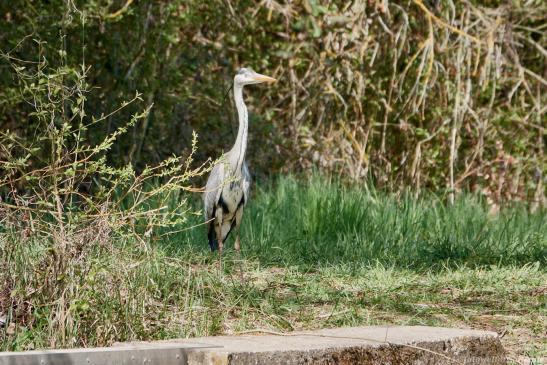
column 315, row 254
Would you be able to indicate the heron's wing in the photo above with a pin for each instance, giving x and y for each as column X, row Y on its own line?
column 246, row 181
column 213, row 189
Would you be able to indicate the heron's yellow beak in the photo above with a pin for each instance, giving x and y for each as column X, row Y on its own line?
column 264, row 78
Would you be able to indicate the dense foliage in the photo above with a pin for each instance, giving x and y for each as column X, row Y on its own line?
column 440, row 94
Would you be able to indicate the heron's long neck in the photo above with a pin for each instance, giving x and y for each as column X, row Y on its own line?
column 241, row 141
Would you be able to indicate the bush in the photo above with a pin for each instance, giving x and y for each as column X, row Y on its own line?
column 63, row 205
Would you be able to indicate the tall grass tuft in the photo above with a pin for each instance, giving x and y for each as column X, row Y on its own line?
column 323, row 221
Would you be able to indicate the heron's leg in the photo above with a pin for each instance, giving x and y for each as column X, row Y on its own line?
column 237, row 244
column 239, row 216
column 218, row 232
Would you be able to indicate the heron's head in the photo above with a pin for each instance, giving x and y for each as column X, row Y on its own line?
column 246, row 76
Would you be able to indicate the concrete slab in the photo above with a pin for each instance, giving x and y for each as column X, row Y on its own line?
column 416, row 345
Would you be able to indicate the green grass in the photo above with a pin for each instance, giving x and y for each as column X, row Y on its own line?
column 314, row 255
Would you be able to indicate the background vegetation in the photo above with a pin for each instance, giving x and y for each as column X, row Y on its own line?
column 440, row 94
column 414, row 132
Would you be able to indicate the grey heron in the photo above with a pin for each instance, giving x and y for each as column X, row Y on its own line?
column 227, row 189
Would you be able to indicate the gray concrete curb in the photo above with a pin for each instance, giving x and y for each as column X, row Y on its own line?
column 418, row 345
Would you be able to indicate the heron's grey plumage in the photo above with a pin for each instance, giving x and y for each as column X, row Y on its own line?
column 227, row 189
